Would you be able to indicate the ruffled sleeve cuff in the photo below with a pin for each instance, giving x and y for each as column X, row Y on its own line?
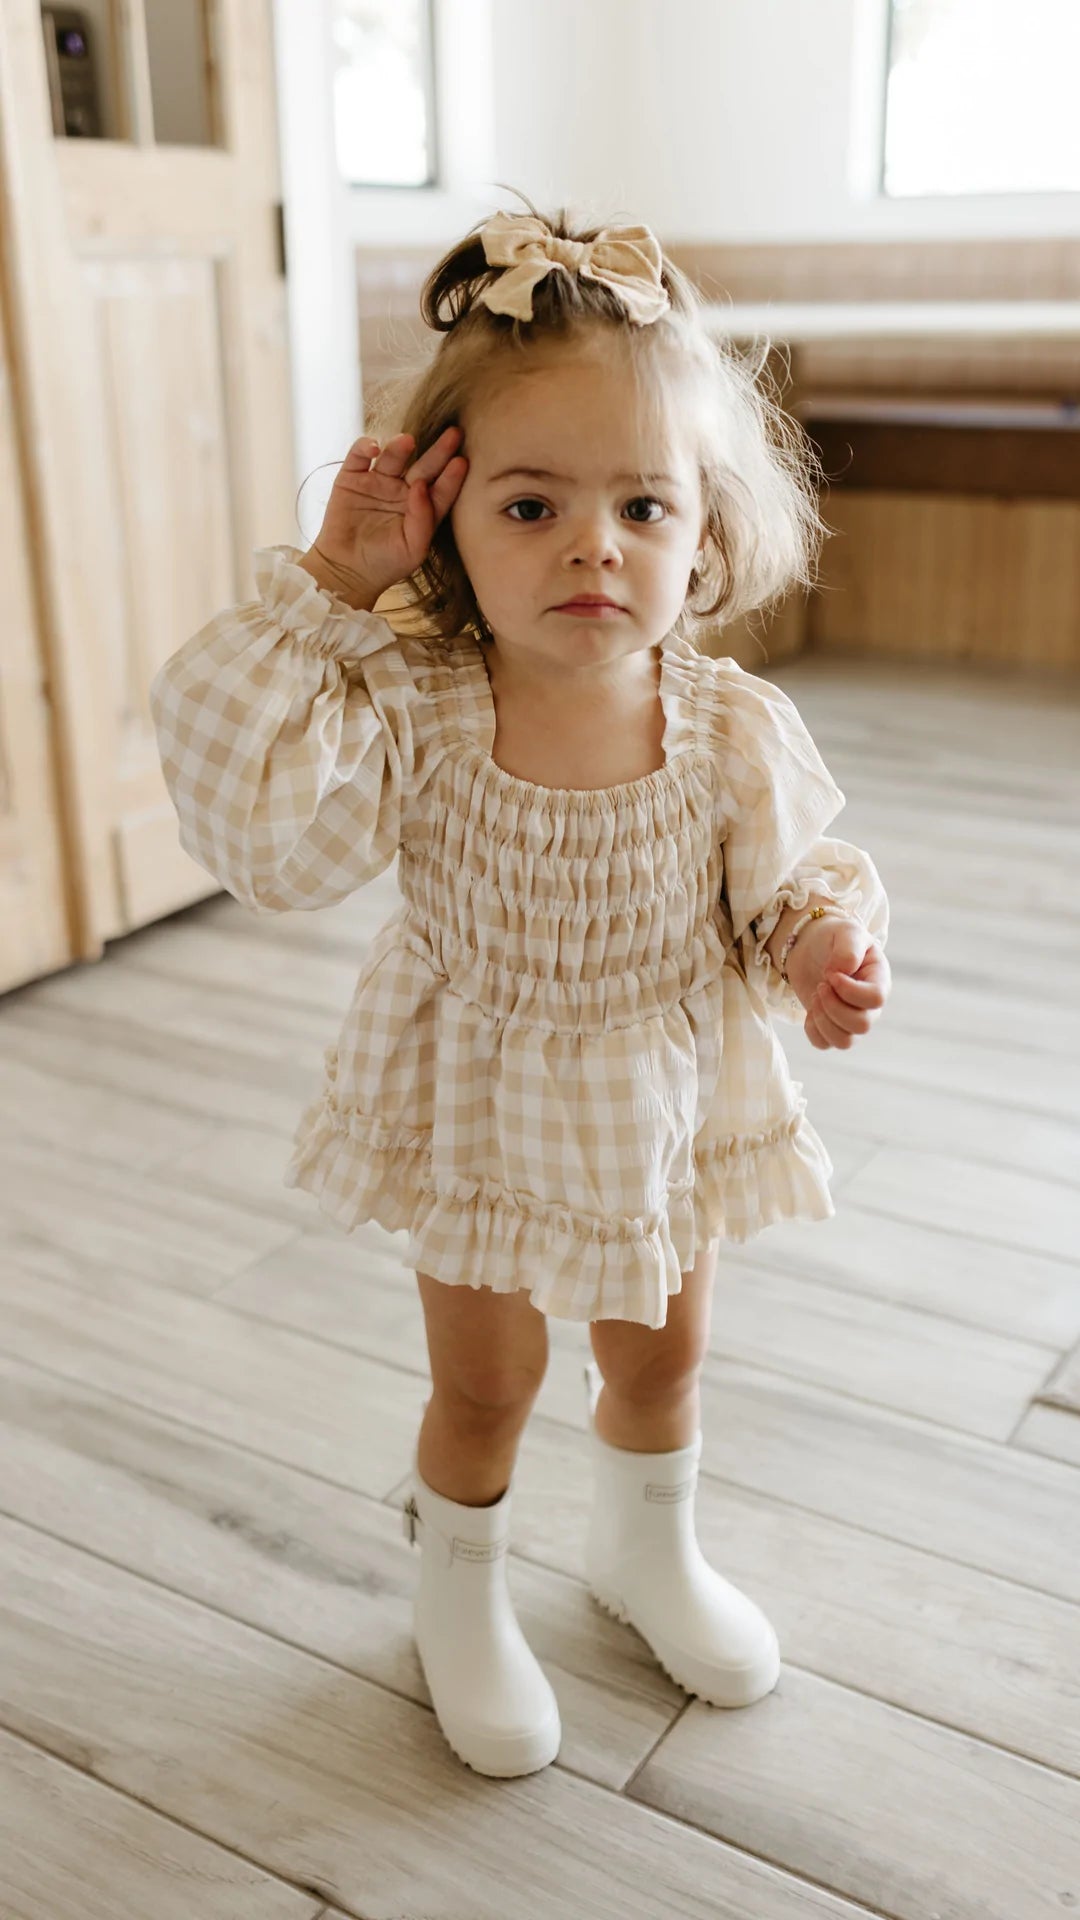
column 833, row 870
column 325, row 624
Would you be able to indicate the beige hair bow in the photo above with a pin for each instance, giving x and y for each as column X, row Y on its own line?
column 626, row 259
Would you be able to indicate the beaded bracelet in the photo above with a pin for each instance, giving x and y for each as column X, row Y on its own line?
column 815, row 913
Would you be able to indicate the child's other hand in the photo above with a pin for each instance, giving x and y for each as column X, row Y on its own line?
column 382, row 513
column 843, row 979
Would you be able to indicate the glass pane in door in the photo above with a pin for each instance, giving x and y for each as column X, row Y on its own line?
column 81, row 67
column 178, row 53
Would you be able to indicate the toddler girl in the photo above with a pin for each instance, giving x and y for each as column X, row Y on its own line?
column 558, row 1071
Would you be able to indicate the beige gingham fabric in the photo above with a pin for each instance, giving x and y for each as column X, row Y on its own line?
column 558, row 1070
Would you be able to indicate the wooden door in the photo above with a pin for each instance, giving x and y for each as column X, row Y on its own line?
column 34, row 920
column 148, row 286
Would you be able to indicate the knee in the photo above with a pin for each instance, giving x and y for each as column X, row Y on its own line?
column 491, row 1391
column 650, row 1377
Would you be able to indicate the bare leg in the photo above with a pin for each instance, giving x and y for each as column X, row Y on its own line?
column 651, row 1402
column 488, row 1353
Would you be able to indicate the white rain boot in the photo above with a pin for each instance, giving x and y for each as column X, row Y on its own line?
column 491, row 1697
column 644, row 1564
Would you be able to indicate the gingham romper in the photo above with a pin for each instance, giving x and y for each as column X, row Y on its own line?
column 558, row 1070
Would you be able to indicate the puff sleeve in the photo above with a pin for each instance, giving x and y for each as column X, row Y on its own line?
column 779, row 798
column 284, row 729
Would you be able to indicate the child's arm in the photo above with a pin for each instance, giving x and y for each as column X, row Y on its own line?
column 338, row 580
column 284, row 728
column 780, row 797
column 830, row 873
column 788, row 921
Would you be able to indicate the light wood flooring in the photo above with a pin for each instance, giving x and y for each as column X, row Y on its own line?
column 210, row 1705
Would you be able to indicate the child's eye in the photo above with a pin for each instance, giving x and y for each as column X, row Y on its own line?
column 643, row 500
column 525, row 503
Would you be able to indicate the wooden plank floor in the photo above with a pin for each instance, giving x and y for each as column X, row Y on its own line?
column 210, row 1704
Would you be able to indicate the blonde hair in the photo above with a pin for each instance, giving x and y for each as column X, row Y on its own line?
column 758, row 472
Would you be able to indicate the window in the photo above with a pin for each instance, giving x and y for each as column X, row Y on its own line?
column 981, row 97
column 384, row 117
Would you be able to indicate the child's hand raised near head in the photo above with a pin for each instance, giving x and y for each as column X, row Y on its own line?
column 382, row 514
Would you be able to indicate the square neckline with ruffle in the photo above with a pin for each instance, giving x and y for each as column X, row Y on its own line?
column 478, row 726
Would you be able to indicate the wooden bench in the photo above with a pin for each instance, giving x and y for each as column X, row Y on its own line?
column 953, row 501
column 1011, row 450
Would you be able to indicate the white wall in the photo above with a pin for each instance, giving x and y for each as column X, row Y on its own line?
column 568, row 101
column 770, row 123
column 744, row 120
column 321, row 281
column 325, row 220
column 747, row 120
column 713, row 120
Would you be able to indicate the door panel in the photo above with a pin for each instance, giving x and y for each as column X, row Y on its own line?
column 159, row 384
column 34, row 929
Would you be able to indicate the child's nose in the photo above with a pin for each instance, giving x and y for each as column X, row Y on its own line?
column 594, row 540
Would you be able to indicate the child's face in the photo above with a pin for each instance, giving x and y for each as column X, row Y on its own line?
column 529, row 544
